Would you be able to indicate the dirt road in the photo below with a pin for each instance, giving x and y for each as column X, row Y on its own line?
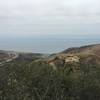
column 11, row 57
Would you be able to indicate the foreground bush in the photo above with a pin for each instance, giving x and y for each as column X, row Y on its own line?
column 36, row 81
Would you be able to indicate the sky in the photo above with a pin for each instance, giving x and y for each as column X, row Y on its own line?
column 27, row 18
column 48, row 25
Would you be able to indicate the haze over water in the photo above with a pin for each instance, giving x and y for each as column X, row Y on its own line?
column 46, row 43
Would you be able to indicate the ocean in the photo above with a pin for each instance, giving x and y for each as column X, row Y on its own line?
column 46, row 44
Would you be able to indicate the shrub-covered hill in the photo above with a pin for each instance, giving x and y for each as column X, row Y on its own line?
column 38, row 80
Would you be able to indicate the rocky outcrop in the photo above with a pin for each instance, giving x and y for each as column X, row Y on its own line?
column 72, row 59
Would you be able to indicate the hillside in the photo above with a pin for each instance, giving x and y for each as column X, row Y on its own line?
column 73, row 74
column 88, row 54
column 84, row 50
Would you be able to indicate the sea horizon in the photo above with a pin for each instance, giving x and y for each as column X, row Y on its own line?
column 46, row 44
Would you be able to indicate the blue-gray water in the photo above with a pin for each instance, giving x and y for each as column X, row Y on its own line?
column 46, row 44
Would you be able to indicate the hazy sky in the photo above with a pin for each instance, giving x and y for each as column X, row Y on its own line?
column 43, row 17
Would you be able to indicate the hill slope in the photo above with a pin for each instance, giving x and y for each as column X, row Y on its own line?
column 73, row 74
column 86, row 54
